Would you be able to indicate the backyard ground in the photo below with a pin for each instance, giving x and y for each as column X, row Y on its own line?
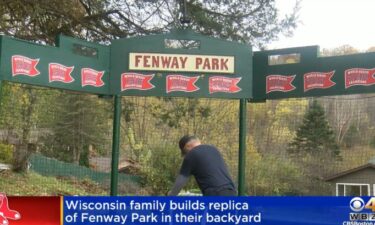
column 38, row 185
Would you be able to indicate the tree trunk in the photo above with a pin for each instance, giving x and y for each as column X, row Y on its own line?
column 24, row 150
column 22, row 155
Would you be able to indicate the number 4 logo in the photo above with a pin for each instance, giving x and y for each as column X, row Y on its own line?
column 371, row 204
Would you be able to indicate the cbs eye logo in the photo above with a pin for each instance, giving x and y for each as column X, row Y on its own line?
column 357, row 204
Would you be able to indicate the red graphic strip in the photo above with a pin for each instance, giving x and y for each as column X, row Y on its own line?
column 279, row 83
column 223, row 84
column 58, row 72
column 136, row 81
column 359, row 76
column 92, row 77
column 181, row 83
column 318, row 80
column 35, row 210
column 22, row 65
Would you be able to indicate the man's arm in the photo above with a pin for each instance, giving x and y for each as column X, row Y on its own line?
column 183, row 176
column 180, row 182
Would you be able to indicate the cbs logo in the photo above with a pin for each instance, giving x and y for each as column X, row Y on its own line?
column 357, row 204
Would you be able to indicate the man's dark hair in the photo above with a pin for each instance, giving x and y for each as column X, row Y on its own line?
column 184, row 140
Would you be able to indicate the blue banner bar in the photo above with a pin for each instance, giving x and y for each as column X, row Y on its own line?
column 218, row 210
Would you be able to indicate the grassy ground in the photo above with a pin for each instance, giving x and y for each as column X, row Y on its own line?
column 34, row 184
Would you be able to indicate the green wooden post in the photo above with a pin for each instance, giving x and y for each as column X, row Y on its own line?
column 242, row 148
column 115, row 144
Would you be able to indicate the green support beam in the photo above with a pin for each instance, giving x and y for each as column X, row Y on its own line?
column 242, row 148
column 115, row 144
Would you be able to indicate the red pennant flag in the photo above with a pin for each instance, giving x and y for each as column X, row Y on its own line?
column 22, row 65
column 319, row 80
column 58, row 72
column 136, row 81
column 279, row 83
column 223, row 84
column 92, row 77
column 181, row 83
column 359, row 76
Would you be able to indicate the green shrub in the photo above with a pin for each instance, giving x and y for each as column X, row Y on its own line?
column 160, row 166
column 272, row 176
column 6, row 153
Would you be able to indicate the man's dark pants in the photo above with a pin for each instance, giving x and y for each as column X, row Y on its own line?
column 220, row 191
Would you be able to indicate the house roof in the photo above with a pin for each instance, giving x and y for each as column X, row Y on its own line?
column 104, row 163
column 346, row 172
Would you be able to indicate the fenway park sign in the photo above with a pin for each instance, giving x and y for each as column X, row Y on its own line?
column 181, row 63
column 146, row 66
column 140, row 66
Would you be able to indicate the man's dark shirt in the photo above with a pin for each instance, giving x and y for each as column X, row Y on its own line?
column 208, row 168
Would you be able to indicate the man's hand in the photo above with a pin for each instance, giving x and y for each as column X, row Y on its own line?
column 180, row 182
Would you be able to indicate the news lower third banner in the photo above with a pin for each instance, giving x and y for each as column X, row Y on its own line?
column 187, row 210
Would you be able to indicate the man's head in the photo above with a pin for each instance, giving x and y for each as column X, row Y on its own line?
column 187, row 143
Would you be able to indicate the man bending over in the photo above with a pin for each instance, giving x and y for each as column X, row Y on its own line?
column 208, row 167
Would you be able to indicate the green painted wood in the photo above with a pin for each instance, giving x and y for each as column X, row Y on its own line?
column 64, row 53
column 113, row 60
column 311, row 62
column 120, row 50
column 75, row 54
